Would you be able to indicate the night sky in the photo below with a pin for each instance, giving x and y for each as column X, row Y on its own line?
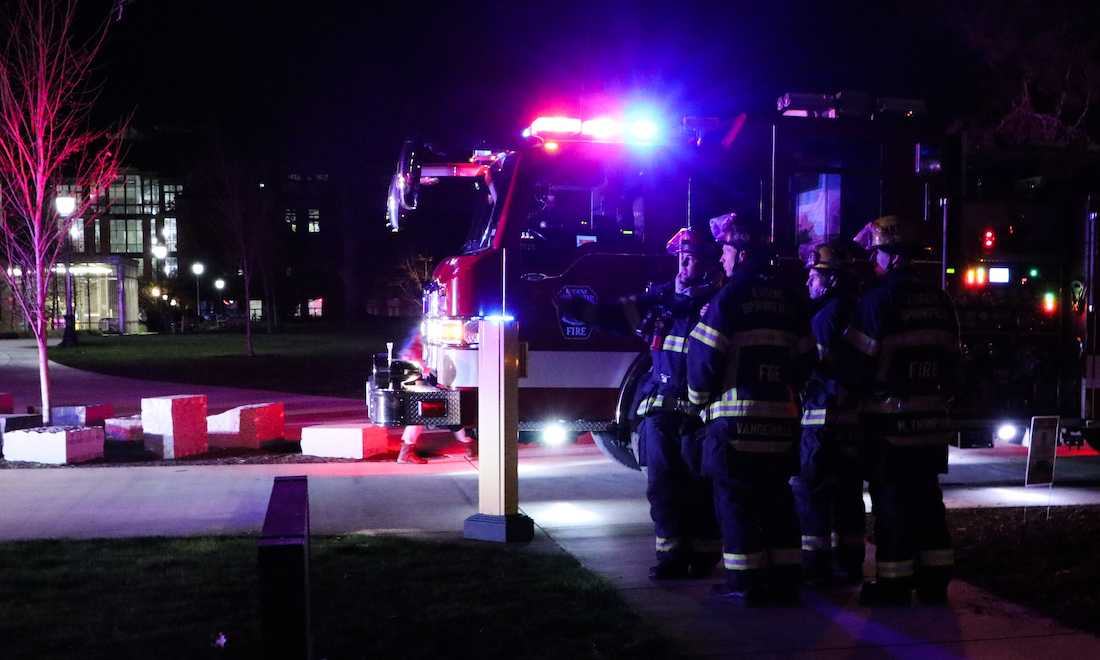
column 335, row 86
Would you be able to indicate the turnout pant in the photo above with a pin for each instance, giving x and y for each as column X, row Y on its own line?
column 756, row 512
column 912, row 543
column 680, row 502
column 829, row 495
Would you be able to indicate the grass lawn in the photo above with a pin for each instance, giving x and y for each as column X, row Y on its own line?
column 287, row 361
column 1050, row 565
column 373, row 597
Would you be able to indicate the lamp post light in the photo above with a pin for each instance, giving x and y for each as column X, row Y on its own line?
column 198, row 269
column 219, row 285
column 66, row 205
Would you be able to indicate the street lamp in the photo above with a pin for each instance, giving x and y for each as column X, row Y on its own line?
column 219, row 284
column 66, row 205
column 198, row 269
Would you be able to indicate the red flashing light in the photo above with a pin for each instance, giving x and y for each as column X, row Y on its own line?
column 1050, row 303
column 556, row 125
column 989, row 239
column 432, row 408
column 551, row 146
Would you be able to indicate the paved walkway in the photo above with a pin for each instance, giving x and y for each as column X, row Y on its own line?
column 19, row 376
column 594, row 510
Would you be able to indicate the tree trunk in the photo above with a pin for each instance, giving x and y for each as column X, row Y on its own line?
column 249, row 350
column 44, row 372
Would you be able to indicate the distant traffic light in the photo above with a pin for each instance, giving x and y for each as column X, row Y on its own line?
column 989, row 239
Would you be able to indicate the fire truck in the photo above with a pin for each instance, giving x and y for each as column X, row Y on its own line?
column 1019, row 237
column 582, row 206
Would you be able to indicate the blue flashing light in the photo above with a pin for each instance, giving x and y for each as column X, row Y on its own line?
column 500, row 318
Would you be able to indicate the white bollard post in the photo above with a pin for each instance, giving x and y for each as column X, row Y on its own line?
column 498, row 518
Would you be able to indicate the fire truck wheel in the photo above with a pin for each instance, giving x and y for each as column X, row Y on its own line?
column 620, row 442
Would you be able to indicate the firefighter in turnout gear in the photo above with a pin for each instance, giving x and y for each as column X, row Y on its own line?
column 680, row 501
column 829, row 487
column 743, row 359
column 908, row 333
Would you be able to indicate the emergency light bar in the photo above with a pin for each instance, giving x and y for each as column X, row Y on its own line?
column 598, row 129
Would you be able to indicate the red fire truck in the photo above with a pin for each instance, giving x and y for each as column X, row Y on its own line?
column 583, row 207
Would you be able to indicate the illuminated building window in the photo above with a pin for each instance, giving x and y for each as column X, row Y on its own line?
column 315, row 214
column 76, row 236
column 118, row 236
column 256, row 309
column 314, row 227
column 314, row 221
column 316, row 307
column 291, row 220
column 169, row 234
column 170, row 193
column 171, row 266
column 96, row 239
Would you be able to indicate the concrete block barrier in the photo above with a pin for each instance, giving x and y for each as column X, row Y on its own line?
column 9, row 422
column 90, row 415
column 345, row 440
column 174, row 426
column 123, row 429
column 58, row 445
column 249, row 426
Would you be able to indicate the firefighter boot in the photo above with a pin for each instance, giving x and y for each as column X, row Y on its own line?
column 885, row 593
column 408, row 455
column 849, row 564
column 817, row 568
column 743, row 588
column 468, row 441
column 703, row 563
column 669, row 569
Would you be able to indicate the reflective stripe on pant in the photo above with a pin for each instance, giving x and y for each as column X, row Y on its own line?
column 911, row 533
column 829, row 495
column 680, row 504
column 759, row 525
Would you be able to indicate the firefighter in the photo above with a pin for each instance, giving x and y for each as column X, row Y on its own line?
column 680, row 502
column 908, row 334
column 413, row 351
column 742, row 369
column 829, row 488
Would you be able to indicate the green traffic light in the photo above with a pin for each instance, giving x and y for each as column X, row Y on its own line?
column 1034, row 272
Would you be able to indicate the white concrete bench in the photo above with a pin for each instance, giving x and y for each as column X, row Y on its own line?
column 58, row 445
column 7, row 403
column 174, row 426
column 9, row 423
column 247, row 426
column 345, row 440
column 91, row 415
column 123, row 429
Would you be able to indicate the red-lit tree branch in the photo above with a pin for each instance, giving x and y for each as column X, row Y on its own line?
column 45, row 141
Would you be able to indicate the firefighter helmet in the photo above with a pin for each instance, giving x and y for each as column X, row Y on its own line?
column 830, row 256
column 691, row 242
column 729, row 229
column 890, row 234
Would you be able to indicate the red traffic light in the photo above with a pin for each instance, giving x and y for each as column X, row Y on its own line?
column 989, row 239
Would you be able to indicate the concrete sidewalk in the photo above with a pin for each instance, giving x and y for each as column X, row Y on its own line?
column 592, row 509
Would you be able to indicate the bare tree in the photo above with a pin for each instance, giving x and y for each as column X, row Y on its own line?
column 1042, row 62
column 45, row 140
column 232, row 194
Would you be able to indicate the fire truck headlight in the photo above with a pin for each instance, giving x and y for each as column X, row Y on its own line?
column 1007, row 432
column 554, row 434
